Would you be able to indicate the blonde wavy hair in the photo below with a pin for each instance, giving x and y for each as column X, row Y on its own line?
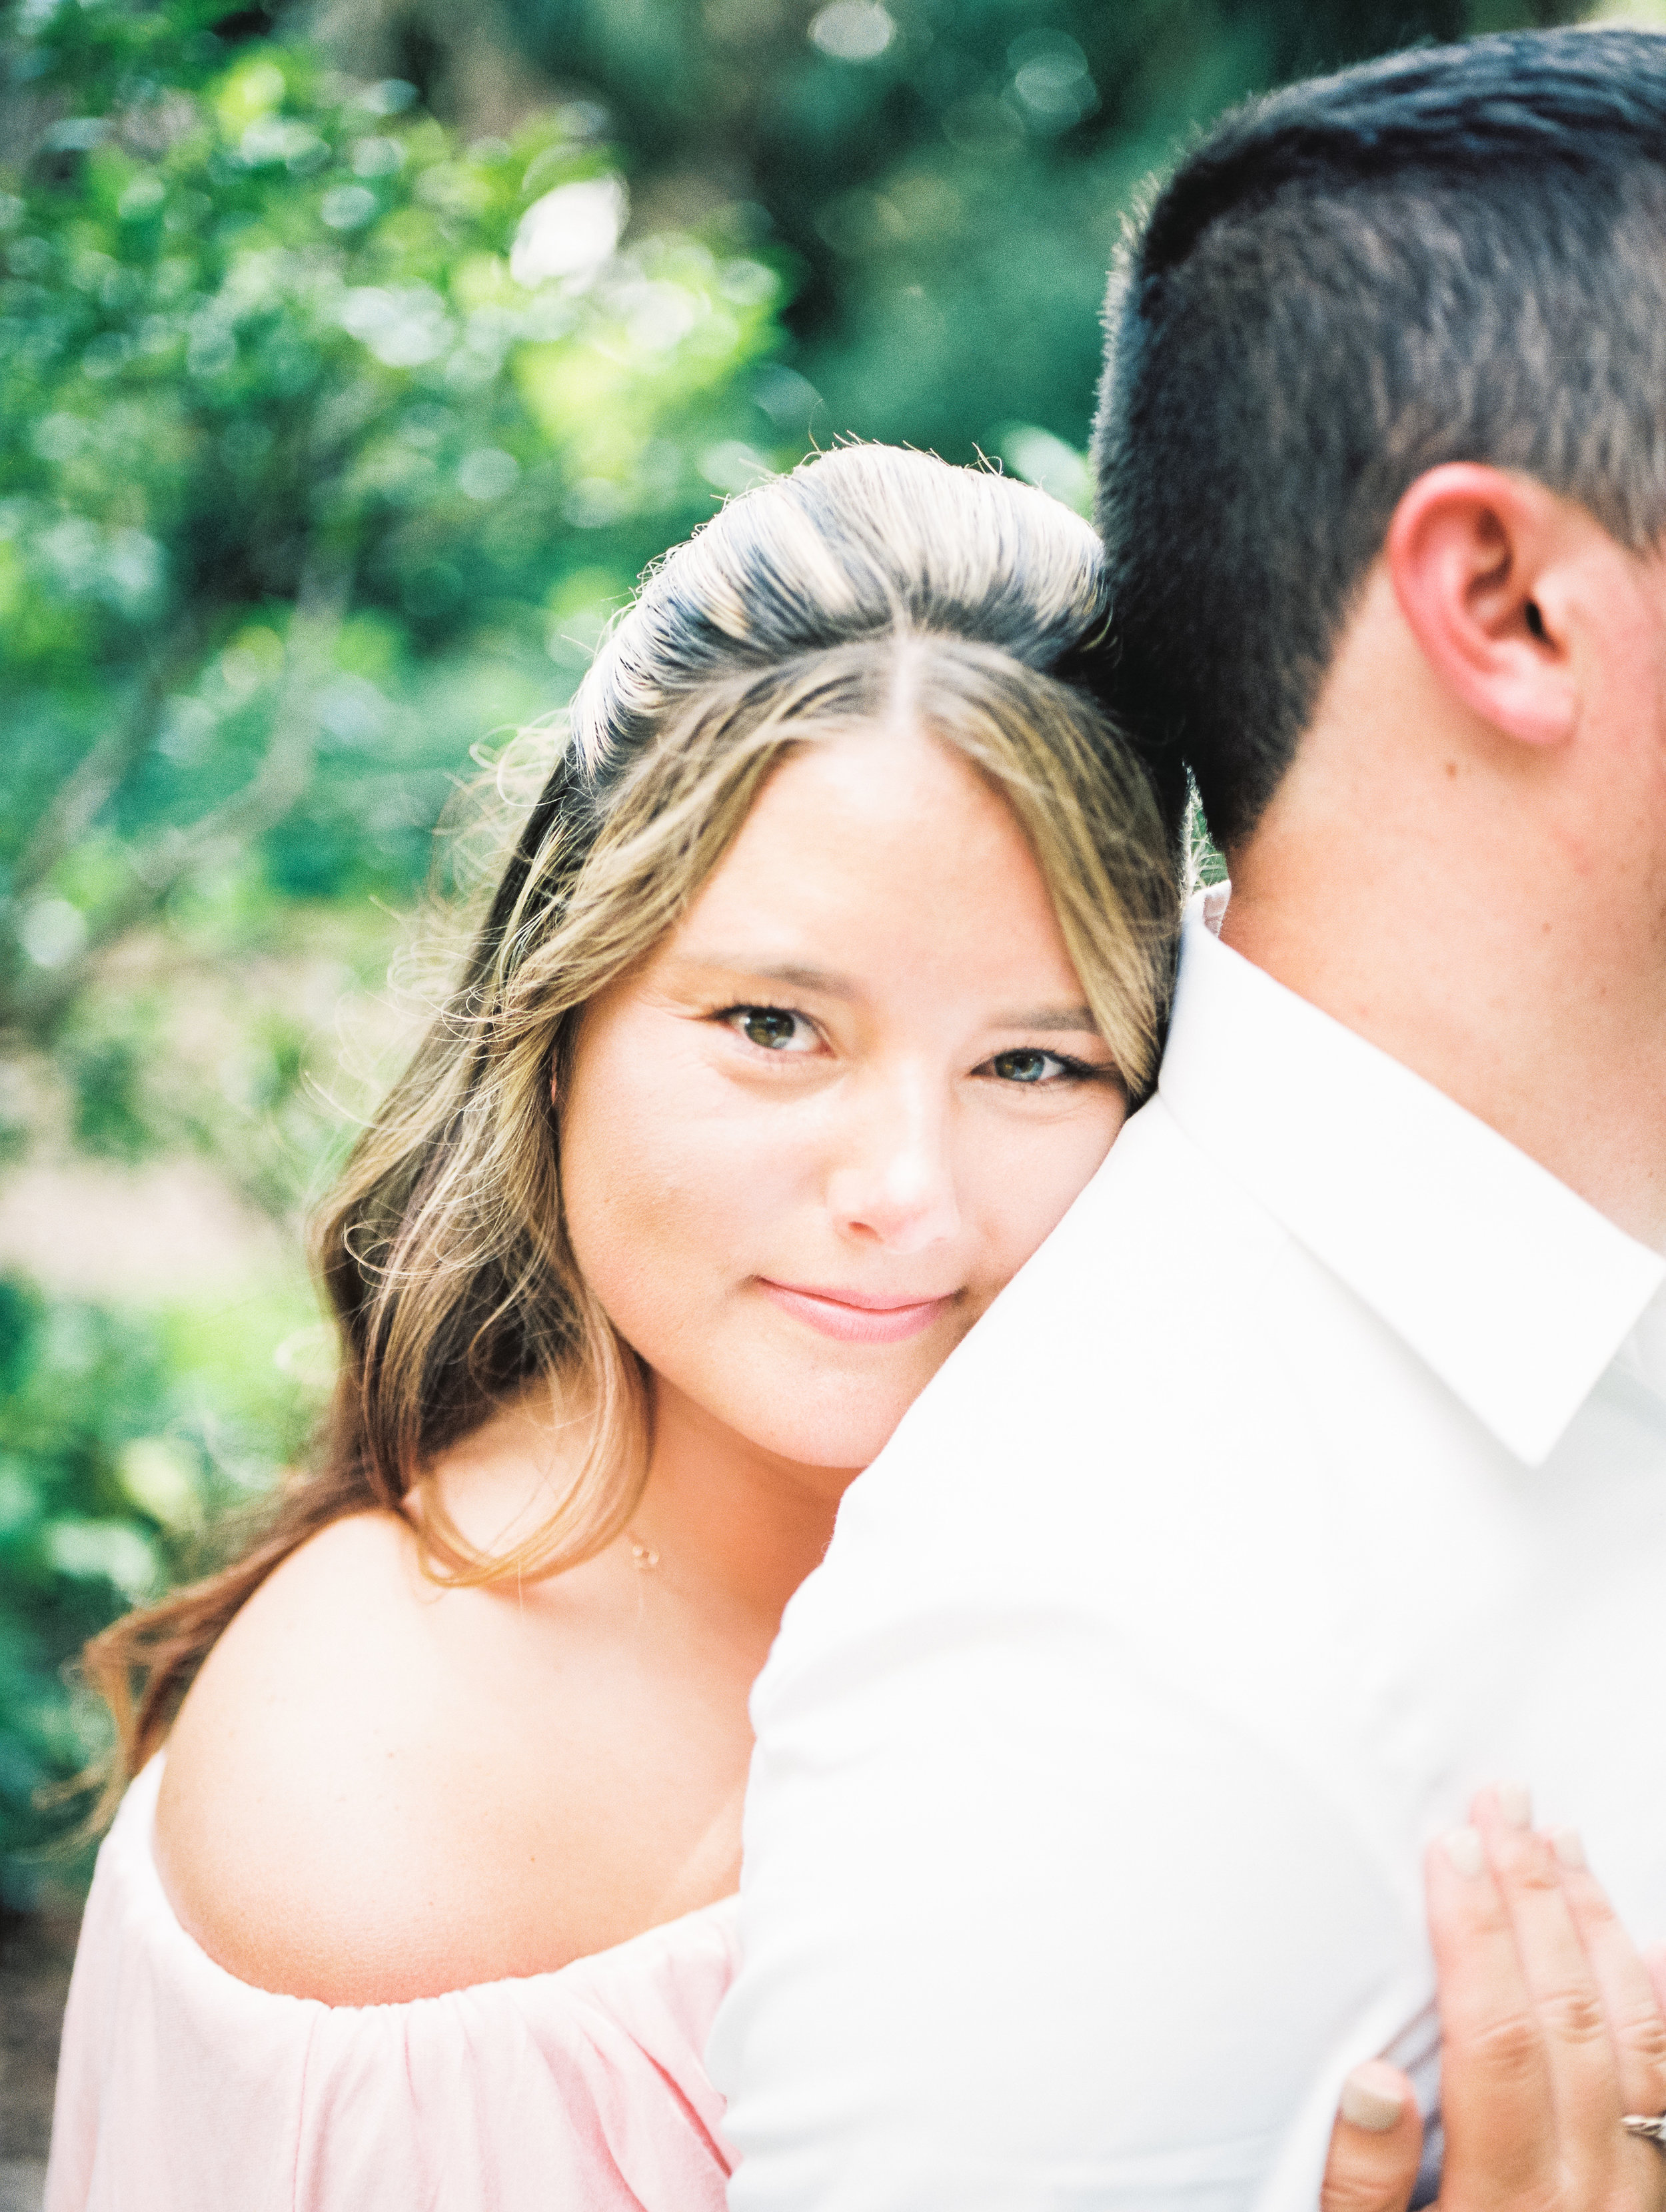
column 870, row 587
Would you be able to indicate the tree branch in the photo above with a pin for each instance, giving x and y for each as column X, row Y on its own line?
column 75, row 806
column 281, row 780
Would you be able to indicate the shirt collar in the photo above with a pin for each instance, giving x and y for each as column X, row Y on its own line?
column 1643, row 1352
column 1510, row 1287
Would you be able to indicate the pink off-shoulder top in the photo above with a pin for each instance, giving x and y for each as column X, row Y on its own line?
column 182, row 2089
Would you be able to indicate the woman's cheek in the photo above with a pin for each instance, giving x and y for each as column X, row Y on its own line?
column 669, row 1219
column 1027, row 1190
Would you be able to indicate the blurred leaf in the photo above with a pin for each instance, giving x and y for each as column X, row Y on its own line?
column 119, row 1434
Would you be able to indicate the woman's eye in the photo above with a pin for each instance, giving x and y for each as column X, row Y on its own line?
column 772, row 1027
column 1044, row 1070
column 1029, row 1066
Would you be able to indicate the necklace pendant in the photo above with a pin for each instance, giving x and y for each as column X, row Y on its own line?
column 643, row 1556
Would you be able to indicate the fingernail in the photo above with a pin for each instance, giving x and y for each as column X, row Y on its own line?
column 1468, row 1854
column 1515, row 1803
column 1568, row 1846
column 1371, row 2103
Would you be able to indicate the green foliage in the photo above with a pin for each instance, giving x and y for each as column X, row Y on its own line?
column 120, row 1437
column 952, row 175
column 305, row 415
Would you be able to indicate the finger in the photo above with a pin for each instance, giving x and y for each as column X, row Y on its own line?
column 1579, row 2051
column 1637, row 2025
column 1376, row 2144
column 1501, row 2138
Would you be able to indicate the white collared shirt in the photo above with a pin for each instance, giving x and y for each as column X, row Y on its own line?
column 1313, row 1472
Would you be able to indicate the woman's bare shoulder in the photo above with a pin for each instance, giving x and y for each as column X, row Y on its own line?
column 322, row 1777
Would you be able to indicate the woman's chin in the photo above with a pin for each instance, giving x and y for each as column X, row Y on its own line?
column 838, row 1445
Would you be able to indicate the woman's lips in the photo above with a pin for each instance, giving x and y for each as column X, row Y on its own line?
column 856, row 1319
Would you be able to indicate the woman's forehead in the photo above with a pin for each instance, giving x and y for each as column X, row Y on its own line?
column 867, row 856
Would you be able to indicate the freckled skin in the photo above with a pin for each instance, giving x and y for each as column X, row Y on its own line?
column 859, row 1067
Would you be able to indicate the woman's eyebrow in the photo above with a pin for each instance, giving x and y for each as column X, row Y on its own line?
column 793, row 973
column 1056, row 1019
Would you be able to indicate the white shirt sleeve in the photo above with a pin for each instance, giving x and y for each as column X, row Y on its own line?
column 1022, row 1930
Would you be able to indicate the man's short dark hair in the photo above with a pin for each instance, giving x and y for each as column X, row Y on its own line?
column 1453, row 254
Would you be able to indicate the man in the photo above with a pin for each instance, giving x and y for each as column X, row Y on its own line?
column 1315, row 1471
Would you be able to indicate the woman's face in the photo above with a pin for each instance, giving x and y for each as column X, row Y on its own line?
column 806, row 1142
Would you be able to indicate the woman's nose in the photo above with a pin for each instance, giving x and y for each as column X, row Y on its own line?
column 895, row 1179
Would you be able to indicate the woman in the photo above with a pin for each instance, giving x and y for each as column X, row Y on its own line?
column 818, row 985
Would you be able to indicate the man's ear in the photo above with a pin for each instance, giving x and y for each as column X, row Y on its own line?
column 1472, row 556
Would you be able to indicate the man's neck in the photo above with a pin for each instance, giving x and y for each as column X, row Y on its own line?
column 1522, row 977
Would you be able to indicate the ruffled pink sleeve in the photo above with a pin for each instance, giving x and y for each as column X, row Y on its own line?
column 182, row 2089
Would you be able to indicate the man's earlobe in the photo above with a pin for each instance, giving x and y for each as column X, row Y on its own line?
column 1471, row 554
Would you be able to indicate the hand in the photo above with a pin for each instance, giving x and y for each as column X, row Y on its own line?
column 1552, row 2029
